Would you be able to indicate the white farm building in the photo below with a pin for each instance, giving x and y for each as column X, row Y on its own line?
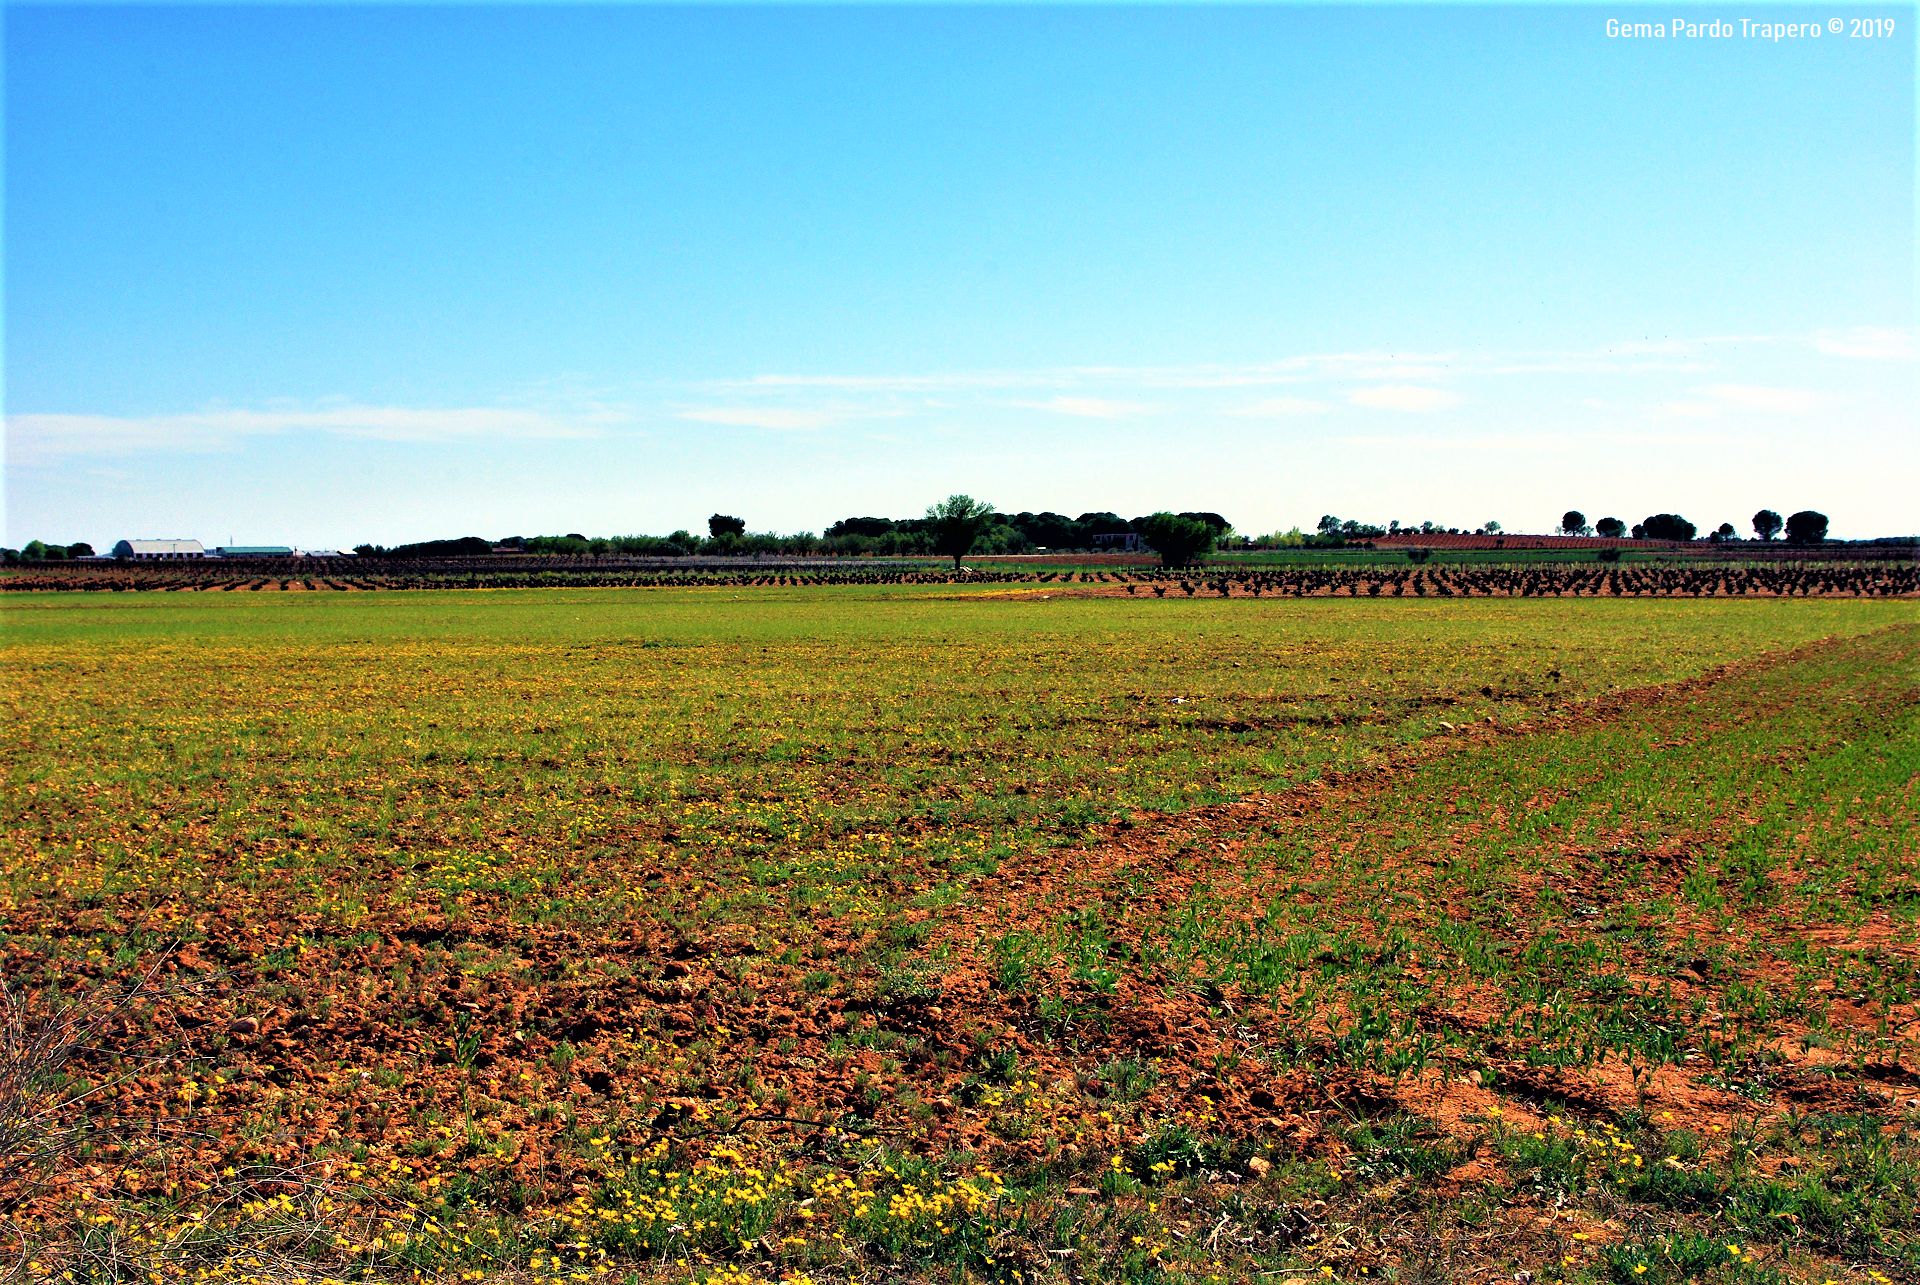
column 159, row 550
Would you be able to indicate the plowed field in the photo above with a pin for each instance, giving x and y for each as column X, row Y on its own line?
column 923, row 933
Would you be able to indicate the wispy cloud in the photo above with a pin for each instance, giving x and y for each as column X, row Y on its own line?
column 779, row 418
column 1765, row 400
column 1536, row 443
column 1689, row 408
column 928, row 382
column 1868, row 343
column 1089, row 407
column 1410, row 398
column 1381, row 366
column 33, row 437
column 1385, row 381
column 1716, row 400
column 1279, row 408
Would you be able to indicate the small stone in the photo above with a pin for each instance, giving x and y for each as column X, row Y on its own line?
column 1259, row 1166
column 1475, row 1079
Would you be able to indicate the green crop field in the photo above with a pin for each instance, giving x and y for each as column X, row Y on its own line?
column 960, row 933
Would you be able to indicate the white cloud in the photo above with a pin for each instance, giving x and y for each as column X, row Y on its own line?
column 36, row 436
column 1565, row 445
column 1375, row 366
column 1280, row 386
column 1412, row 398
column 1765, row 400
column 1088, row 407
column 1689, row 410
column 780, row 418
column 1279, row 408
column 1716, row 400
column 1867, row 343
column 938, row 381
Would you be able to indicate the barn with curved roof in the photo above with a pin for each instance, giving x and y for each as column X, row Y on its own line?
column 159, row 550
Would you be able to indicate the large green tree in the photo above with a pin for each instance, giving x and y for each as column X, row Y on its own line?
column 1668, row 526
column 956, row 524
column 1178, row 539
column 1806, row 527
column 1767, row 524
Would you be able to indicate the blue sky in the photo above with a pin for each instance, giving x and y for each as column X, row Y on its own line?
column 324, row 275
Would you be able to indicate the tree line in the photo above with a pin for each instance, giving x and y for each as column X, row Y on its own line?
column 1804, row 527
column 958, row 522
column 1178, row 538
column 959, row 527
column 41, row 551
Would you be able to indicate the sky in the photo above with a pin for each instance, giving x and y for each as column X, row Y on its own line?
column 326, row 275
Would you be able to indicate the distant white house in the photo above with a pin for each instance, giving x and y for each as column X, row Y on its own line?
column 1119, row 542
column 159, row 550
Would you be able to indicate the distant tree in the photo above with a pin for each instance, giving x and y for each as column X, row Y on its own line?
column 1103, row 524
column 720, row 524
column 33, row 551
column 567, row 546
column 80, row 549
column 1329, row 524
column 466, row 546
column 1609, row 555
column 1611, row 528
column 1723, row 533
column 1573, row 522
column 1668, row 526
column 1178, row 539
column 859, row 526
column 1219, row 524
column 1806, row 527
column 1049, row 530
column 956, row 524
column 1767, row 524
column 1639, row 531
column 1491, row 528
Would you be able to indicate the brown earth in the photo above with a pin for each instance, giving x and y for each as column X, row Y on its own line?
column 326, row 1065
